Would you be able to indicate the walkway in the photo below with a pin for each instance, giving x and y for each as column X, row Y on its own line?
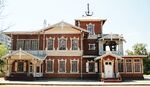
column 50, row 82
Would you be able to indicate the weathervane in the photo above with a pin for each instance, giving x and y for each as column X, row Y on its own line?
column 88, row 11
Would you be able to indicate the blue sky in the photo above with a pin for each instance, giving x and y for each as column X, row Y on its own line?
column 128, row 17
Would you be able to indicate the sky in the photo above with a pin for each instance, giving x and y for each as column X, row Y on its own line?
column 128, row 17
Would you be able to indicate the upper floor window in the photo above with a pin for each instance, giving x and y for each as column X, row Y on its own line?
column 50, row 44
column 92, row 47
column 62, row 44
column 74, row 44
column 27, row 44
column 90, row 28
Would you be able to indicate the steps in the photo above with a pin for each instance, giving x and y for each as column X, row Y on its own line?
column 111, row 80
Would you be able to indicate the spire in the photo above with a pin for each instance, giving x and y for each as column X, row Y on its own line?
column 44, row 23
column 88, row 13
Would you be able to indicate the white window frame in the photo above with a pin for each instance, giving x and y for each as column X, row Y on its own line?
column 121, row 62
column 130, row 66
column 93, row 25
column 77, row 66
column 95, row 66
column 59, row 65
column 59, row 45
column 140, row 65
column 16, row 66
column 92, row 45
column 52, row 66
column 74, row 38
column 53, row 42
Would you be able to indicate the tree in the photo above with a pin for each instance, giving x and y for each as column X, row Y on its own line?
column 3, row 51
column 140, row 49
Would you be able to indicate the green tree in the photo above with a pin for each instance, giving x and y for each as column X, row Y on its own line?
column 3, row 51
column 140, row 49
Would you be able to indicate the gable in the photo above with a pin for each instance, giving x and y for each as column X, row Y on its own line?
column 63, row 28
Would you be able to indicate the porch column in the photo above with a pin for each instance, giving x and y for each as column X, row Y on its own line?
column 116, row 68
column 34, row 69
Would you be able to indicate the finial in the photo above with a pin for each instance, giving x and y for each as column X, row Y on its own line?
column 88, row 11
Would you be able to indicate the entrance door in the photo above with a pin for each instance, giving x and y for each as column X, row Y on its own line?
column 108, row 65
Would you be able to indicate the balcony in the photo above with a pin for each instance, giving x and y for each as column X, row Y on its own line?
column 113, row 52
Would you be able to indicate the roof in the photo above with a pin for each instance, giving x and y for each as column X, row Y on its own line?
column 62, row 27
column 139, row 56
column 90, row 18
column 58, row 28
column 39, row 57
column 108, row 54
column 112, row 36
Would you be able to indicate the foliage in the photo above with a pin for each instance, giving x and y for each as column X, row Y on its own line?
column 140, row 49
column 3, row 51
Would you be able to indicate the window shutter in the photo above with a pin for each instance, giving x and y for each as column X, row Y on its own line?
column 96, row 68
column 87, row 66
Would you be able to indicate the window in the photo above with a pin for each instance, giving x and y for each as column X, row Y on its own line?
column 62, row 44
column 90, row 28
column 20, row 44
column 27, row 44
column 92, row 47
column 31, row 68
column 74, row 66
column 120, row 65
column 20, row 67
column 128, row 65
column 37, row 69
column 49, row 66
column 137, row 65
column 62, row 66
column 74, row 44
column 91, row 66
column 50, row 44
column 34, row 44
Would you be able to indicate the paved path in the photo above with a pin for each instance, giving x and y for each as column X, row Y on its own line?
column 145, row 82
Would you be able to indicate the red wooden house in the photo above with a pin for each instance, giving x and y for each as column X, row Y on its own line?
column 63, row 50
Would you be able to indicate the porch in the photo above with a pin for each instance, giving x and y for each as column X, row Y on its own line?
column 21, row 65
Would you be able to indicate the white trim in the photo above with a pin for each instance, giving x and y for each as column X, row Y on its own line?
column 47, row 43
column 95, row 66
column 92, row 45
column 77, row 65
column 93, row 28
column 138, row 63
column 66, row 42
column 52, row 66
column 59, row 65
column 74, row 38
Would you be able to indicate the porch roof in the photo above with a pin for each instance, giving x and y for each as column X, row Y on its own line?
column 108, row 54
column 20, row 52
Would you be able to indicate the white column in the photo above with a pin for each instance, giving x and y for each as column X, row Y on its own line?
column 100, row 47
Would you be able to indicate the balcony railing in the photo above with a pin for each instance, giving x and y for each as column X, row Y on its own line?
column 113, row 52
